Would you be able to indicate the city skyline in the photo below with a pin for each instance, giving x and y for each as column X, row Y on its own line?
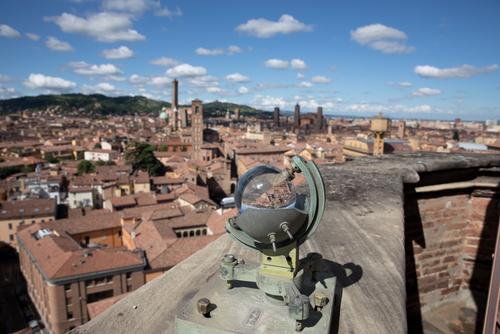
column 425, row 60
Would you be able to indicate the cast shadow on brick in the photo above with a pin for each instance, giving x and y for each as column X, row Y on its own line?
column 413, row 232
column 483, row 264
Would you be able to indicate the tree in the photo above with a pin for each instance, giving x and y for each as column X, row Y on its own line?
column 163, row 148
column 85, row 167
column 98, row 146
column 141, row 157
column 50, row 158
column 456, row 136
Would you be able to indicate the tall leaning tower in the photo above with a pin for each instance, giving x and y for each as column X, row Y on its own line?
column 197, row 128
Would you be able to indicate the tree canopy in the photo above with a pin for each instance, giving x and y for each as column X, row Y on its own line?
column 85, row 167
column 141, row 157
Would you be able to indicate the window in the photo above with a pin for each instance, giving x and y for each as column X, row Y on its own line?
column 100, row 280
column 128, row 275
column 10, row 226
column 109, row 279
column 68, row 301
column 69, row 314
column 11, row 237
column 89, row 282
column 94, row 297
column 67, row 287
column 179, row 234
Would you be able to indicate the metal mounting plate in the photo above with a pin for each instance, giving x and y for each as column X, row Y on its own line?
column 246, row 309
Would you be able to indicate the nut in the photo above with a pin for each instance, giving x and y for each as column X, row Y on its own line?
column 320, row 300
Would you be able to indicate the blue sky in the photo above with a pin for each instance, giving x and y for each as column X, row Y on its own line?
column 424, row 59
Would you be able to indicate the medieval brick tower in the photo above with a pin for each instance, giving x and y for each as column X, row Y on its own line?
column 296, row 116
column 197, row 128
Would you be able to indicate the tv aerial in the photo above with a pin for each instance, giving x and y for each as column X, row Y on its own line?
column 280, row 294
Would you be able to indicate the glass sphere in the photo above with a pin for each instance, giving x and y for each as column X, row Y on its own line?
column 269, row 190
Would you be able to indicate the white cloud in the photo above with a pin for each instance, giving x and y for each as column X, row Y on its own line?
column 463, row 71
column 4, row 78
column 104, row 88
column 81, row 67
column 426, row 92
column 186, row 70
column 137, row 79
column 58, row 45
column 305, row 84
column 9, row 32
column 204, row 81
column 159, row 81
column 243, row 90
column 133, row 6
column 321, row 79
column 232, row 49
column 121, row 52
column 264, row 28
column 103, row 26
column 277, row 63
column 166, row 12
column 298, row 64
column 40, row 81
column 237, row 77
column 300, row 76
column 164, row 61
column 382, row 38
column 32, row 36
column 7, row 92
column 404, row 84
column 387, row 109
column 209, row 52
column 214, row 90
column 268, row 102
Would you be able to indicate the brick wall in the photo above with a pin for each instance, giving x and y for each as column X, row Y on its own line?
column 449, row 241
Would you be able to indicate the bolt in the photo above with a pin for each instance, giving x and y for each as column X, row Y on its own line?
column 320, row 300
column 272, row 238
column 203, row 306
column 286, row 229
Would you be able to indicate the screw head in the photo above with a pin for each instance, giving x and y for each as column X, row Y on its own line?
column 203, row 306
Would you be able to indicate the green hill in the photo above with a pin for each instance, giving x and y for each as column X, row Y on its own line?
column 101, row 105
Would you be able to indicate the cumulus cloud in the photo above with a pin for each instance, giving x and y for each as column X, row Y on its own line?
column 9, row 32
column 121, row 52
column 426, row 92
column 463, row 71
column 103, row 26
column 243, row 90
column 321, row 79
column 81, row 67
column 209, row 52
column 159, row 80
column 164, row 61
column 237, row 77
column 32, row 36
column 305, row 84
column 204, row 81
column 232, row 49
column 58, row 45
column 41, row 81
column 264, row 28
column 137, row 79
column 382, row 38
column 7, row 92
column 268, row 102
column 137, row 7
column 104, row 88
column 276, row 63
column 186, row 70
column 298, row 64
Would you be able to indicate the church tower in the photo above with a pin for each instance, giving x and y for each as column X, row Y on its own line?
column 197, row 128
column 296, row 117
